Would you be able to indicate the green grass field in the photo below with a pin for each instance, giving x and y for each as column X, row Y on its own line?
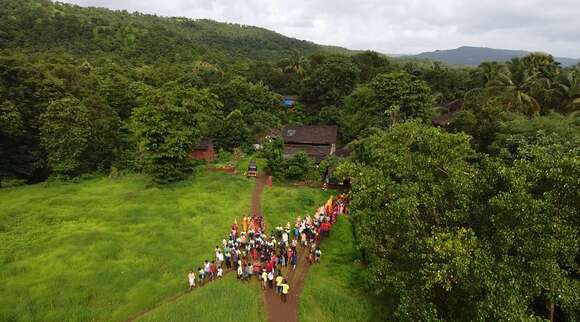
column 282, row 203
column 237, row 301
column 333, row 290
column 226, row 300
column 108, row 249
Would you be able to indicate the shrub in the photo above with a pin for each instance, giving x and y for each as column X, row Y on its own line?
column 8, row 183
column 297, row 167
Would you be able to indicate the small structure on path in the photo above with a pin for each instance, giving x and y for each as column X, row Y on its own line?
column 317, row 141
column 203, row 151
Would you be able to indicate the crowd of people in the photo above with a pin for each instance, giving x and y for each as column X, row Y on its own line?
column 251, row 252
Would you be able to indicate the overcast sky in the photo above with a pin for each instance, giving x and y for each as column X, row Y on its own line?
column 392, row 26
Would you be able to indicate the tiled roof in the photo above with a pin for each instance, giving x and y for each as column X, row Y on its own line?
column 310, row 134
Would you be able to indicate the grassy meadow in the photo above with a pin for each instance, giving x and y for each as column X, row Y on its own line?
column 282, row 203
column 237, row 301
column 333, row 289
column 107, row 249
column 226, row 300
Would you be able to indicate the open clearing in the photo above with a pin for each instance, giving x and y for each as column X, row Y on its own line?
column 107, row 249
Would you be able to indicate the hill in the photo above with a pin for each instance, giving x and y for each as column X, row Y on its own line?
column 42, row 25
column 476, row 55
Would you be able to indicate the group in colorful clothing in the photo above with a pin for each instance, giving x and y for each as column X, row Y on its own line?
column 250, row 251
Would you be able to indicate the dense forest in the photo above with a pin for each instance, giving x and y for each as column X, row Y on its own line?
column 476, row 218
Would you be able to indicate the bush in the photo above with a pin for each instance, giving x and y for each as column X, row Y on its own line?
column 297, row 167
column 9, row 183
column 223, row 157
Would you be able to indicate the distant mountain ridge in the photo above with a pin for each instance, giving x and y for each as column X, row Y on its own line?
column 474, row 56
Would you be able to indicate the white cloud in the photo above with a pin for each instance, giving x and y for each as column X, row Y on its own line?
column 392, row 26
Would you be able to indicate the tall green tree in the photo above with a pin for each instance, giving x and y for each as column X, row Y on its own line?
column 451, row 239
column 327, row 82
column 403, row 97
column 568, row 89
column 234, row 132
column 65, row 133
column 10, row 119
column 168, row 126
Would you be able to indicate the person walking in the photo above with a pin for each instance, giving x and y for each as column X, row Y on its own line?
column 279, row 281
column 207, row 270
column 294, row 260
column 264, row 279
column 219, row 256
column 191, row 280
column 240, row 271
column 201, row 274
column 285, row 290
column 270, row 279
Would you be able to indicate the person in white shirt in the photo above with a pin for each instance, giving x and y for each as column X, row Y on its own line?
column 191, row 280
column 219, row 256
column 240, row 271
column 220, row 272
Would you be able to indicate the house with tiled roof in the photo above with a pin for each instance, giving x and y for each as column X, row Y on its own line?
column 317, row 141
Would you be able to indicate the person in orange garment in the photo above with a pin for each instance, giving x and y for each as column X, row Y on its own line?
column 245, row 224
column 328, row 206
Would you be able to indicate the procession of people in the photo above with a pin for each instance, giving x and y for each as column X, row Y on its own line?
column 253, row 253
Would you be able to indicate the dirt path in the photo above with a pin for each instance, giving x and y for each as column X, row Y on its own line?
column 257, row 195
column 276, row 310
column 279, row 311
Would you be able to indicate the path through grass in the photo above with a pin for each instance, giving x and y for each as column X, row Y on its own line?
column 226, row 300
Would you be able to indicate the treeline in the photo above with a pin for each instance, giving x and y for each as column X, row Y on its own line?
column 478, row 221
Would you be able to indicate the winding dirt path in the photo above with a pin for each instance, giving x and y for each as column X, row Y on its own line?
column 276, row 310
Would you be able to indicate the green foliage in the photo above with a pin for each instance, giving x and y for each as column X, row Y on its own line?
column 450, row 239
column 388, row 99
column 371, row 64
column 402, row 98
column 9, row 183
column 297, row 166
column 10, row 120
column 168, row 126
column 334, row 289
column 329, row 80
column 234, row 132
column 65, row 134
column 361, row 110
column 272, row 152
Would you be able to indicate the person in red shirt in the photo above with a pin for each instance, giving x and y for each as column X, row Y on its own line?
column 289, row 254
column 254, row 254
column 269, row 266
column 212, row 270
column 257, row 268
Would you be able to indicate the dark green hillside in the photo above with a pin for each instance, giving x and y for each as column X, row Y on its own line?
column 44, row 25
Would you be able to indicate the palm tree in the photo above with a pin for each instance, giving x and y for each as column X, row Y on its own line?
column 517, row 85
column 569, row 91
column 295, row 63
column 489, row 71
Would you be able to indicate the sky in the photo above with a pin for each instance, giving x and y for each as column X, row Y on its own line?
column 391, row 26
